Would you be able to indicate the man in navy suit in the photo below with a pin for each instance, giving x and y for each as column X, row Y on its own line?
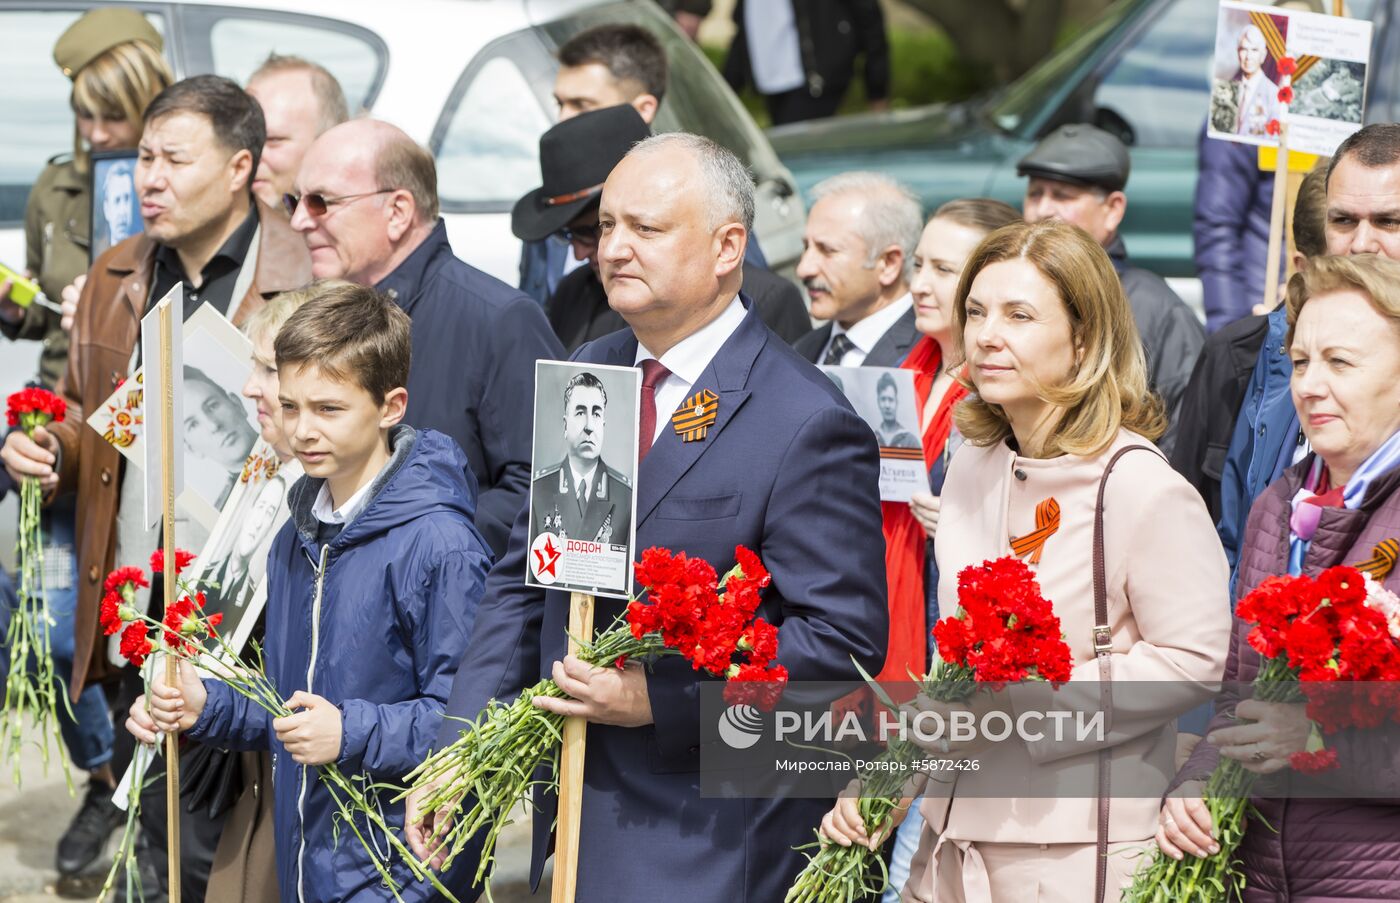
column 786, row 469
column 367, row 205
column 857, row 260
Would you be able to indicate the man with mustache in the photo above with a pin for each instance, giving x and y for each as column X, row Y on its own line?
column 857, row 259
column 581, row 497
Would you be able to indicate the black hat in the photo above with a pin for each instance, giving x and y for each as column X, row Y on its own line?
column 576, row 157
column 1080, row 155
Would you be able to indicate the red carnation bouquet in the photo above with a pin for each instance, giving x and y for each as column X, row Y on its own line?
column 1314, row 634
column 1005, row 631
column 31, row 686
column 191, row 635
column 688, row 611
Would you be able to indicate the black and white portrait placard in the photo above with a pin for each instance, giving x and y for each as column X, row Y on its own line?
column 584, row 463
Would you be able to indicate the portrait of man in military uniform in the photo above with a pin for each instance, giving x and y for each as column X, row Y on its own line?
column 581, row 497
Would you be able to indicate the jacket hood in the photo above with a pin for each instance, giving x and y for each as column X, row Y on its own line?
column 427, row 472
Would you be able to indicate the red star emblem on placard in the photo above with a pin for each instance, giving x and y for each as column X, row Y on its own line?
column 547, row 557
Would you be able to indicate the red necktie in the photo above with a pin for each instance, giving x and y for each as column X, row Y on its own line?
column 653, row 372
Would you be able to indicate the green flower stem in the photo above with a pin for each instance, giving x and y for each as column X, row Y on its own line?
column 1210, row 879
column 494, row 762
column 251, row 682
column 837, row 874
column 32, row 688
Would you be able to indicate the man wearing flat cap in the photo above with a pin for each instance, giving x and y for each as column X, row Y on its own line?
column 576, row 157
column 1077, row 175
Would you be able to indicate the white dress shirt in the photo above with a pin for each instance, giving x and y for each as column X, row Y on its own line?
column 322, row 508
column 687, row 360
column 866, row 334
column 775, row 56
column 584, row 481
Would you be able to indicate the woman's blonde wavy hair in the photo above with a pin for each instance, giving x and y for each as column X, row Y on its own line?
column 1108, row 389
column 117, row 84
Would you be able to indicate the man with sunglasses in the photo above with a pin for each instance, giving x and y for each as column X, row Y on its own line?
column 365, row 202
column 575, row 158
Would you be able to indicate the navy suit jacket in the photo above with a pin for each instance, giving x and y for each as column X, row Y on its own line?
column 890, row 351
column 475, row 343
column 788, row 470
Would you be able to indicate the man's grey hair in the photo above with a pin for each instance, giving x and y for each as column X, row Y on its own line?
column 330, row 99
column 892, row 214
column 728, row 183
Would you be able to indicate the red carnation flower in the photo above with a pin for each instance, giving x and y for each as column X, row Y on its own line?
column 1273, row 127
column 761, row 688
column 760, row 641
column 125, row 580
column 136, row 644
column 33, row 407
column 1287, row 65
column 182, row 561
column 1285, row 94
column 752, row 567
column 1313, row 762
column 108, row 615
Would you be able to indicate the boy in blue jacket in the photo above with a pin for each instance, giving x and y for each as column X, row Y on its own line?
column 373, row 585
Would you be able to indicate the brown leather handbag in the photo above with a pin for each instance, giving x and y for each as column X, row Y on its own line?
column 1103, row 649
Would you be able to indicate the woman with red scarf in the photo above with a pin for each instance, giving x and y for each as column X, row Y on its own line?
column 949, row 238
column 951, row 234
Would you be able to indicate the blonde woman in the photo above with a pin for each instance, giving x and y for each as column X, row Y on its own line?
column 1058, row 389
column 113, row 56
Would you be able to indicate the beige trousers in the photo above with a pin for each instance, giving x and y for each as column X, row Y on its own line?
column 974, row 872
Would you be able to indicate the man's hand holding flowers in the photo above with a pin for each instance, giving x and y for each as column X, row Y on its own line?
column 616, row 696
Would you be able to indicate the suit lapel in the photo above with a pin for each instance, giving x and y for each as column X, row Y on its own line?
column 726, row 376
column 894, row 345
column 813, row 344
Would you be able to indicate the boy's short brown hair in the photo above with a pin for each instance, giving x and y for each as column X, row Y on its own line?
column 351, row 333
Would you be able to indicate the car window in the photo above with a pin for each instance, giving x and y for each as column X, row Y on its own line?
column 697, row 99
column 39, row 121
column 1030, row 98
column 240, row 40
column 487, row 142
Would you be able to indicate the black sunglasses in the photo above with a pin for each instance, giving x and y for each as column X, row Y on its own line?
column 587, row 235
column 317, row 204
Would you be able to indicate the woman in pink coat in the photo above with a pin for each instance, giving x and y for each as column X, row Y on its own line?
column 1059, row 386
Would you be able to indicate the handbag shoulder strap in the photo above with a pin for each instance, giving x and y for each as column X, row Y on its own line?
column 1103, row 648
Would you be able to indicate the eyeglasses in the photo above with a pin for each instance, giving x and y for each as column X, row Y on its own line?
column 587, row 235
column 318, row 204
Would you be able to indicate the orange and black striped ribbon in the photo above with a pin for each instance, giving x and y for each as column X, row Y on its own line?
column 1275, row 43
column 1382, row 560
column 693, row 419
column 1272, row 38
column 1047, row 521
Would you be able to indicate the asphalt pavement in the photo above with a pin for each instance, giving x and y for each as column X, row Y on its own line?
column 32, row 819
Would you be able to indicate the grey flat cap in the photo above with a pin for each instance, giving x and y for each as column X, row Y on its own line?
column 1081, row 155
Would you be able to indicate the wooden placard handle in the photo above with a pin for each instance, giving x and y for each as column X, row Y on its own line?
column 571, row 770
column 168, row 583
column 1278, row 220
